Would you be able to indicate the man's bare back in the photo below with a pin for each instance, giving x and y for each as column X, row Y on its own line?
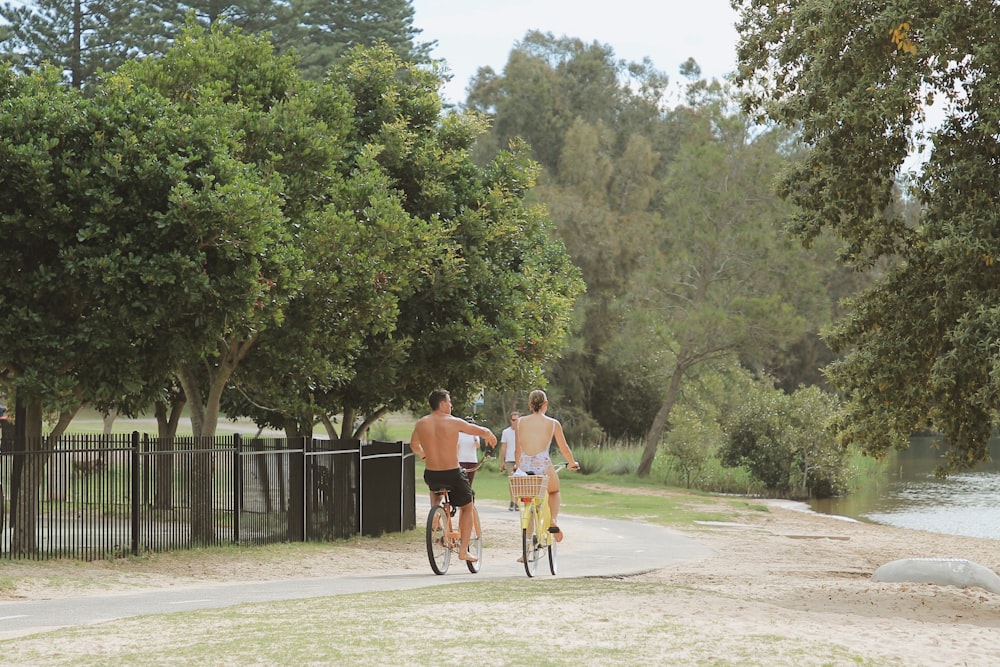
column 435, row 437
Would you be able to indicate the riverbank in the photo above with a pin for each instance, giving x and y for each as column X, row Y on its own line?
column 781, row 587
column 801, row 576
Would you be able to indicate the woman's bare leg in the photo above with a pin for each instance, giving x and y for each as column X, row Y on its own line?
column 555, row 500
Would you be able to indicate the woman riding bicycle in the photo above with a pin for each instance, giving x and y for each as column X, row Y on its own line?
column 534, row 437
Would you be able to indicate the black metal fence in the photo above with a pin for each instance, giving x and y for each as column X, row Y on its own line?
column 91, row 497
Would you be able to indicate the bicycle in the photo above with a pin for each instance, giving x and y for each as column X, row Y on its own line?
column 532, row 495
column 443, row 538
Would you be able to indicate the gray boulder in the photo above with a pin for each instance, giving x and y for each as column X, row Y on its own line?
column 943, row 571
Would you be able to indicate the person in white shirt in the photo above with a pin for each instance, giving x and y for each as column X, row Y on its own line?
column 507, row 449
column 468, row 457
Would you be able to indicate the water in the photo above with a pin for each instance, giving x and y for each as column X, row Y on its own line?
column 963, row 504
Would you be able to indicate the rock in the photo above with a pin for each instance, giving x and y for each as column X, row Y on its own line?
column 943, row 571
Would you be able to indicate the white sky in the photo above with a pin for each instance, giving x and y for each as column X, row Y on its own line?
column 476, row 33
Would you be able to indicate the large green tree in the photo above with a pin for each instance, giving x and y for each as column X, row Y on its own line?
column 77, row 36
column 126, row 222
column 857, row 80
column 493, row 302
column 325, row 31
column 594, row 123
column 84, row 36
column 721, row 283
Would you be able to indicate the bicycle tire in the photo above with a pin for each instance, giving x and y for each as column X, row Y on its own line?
column 475, row 542
column 531, row 548
column 438, row 552
column 553, row 557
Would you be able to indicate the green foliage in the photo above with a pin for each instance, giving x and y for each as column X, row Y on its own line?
column 592, row 121
column 618, row 459
column 785, row 441
column 690, row 444
column 721, row 282
column 856, row 80
column 581, row 429
column 78, row 37
column 324, row 31
column 490, row 300
column 83, row 37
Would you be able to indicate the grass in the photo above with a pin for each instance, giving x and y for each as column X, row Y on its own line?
column 614, row 496
column 391, row 428
column 588, row 621
column 422, row 628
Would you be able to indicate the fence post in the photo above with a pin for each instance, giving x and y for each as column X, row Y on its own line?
column 296, row 491
column 237, row 487
column 136, row 493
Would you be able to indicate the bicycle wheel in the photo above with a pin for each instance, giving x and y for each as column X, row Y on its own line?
column 553, row 557
column 475, row 542
column 531, row 549
column 438, row 552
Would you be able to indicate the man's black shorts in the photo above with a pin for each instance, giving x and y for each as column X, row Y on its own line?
column 459, row 489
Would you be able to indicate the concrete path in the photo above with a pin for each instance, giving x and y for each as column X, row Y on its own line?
column 592, row 548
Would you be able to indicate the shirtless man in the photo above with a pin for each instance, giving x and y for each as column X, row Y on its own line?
column 435, row 440
column 534, row 437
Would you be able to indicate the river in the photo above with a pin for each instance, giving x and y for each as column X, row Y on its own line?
column 963, row 504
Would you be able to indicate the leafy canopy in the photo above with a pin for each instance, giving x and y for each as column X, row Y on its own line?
column 857, row 80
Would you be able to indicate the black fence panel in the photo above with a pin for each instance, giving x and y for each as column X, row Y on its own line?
column 72, row 498
column 265, row 491
column 383, row 477
column 333, row 469
column 96, row 496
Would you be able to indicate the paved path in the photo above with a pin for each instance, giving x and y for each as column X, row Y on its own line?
column 592, row 548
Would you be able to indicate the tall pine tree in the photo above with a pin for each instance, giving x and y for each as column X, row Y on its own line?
column 84, row 36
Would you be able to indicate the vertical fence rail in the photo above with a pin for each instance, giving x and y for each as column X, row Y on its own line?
column 95, row 496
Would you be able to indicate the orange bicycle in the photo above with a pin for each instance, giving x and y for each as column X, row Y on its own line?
column 443, row 536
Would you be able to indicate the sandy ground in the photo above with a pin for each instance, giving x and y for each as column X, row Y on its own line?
column 777, row 577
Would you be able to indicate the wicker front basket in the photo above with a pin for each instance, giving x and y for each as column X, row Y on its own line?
column 528, row 486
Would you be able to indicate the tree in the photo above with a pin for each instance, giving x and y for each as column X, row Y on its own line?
column 326, row 31
column 594, row 123
column 77, row 36
column 118, row 211
column 549, row 83
column 85, row 36
column 449, row 252
column 785, row 441
column 857, row 81
column 721, row 283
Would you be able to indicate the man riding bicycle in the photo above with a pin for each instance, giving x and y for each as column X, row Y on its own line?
column 435, row 440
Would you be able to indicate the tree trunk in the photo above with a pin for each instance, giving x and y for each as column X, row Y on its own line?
column 58, row 480
column 200, row 483
column 29, row 471
column 204, row 409
column 163, row 469
column 660, row 422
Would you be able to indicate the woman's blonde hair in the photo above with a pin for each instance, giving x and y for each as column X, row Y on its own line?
column 536, row 400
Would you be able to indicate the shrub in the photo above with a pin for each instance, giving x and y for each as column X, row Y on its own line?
column 690, row 444
column 785, row 443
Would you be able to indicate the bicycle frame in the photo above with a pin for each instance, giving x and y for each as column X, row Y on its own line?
column 536, row 518
column 443, row 538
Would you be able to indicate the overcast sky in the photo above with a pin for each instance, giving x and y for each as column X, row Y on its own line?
column 476, row 33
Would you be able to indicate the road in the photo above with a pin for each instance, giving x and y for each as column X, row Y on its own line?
column 593, row 548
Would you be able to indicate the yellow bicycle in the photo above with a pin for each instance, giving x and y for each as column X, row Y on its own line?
column 532, row 495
